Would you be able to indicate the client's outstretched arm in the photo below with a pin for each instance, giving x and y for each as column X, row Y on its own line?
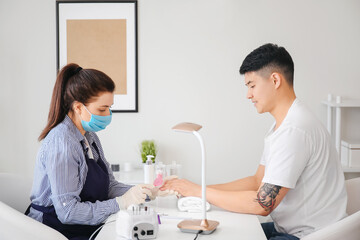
column 244, row 184
column 235, row 196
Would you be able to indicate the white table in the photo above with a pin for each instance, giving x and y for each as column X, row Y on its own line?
column 232, row 225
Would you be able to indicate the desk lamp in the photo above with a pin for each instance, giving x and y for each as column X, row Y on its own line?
column 196, row 225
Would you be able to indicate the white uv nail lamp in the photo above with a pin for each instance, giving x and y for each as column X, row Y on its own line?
column 197, row 225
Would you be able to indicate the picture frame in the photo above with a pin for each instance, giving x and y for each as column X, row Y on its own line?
column 101, row 35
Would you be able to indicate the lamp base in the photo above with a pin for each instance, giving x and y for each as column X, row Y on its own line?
column 194, row 226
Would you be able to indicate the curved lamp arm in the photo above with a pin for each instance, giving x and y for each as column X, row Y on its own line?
column 193, row 226
column 203, row 172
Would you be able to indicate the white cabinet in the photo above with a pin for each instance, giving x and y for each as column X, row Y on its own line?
column 337, row 104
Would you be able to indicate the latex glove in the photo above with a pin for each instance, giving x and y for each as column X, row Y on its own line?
column 168, row 192
column 156, row 192
column 135, row 195
column 153, row 190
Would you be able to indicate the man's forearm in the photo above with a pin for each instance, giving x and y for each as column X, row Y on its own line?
column 244, row 184
column 235, row 201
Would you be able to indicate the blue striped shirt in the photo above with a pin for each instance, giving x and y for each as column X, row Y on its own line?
column 60, row 174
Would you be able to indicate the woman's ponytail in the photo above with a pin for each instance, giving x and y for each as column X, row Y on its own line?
column 74, row 84
column 58, row 107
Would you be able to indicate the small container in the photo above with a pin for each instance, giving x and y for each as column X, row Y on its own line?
column 173, row 169
column 160, row 168
column 330, row 97
column 160, row 174
column 350, row 154
column 116, row 170
column 149, row 170
column 338, row 99
column 128, row 167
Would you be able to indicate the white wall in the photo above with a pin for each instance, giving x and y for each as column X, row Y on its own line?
column 189, row 55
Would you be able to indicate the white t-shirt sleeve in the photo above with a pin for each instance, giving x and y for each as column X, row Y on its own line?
column 286, row 157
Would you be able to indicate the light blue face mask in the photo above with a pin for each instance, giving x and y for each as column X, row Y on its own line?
column 96, row 122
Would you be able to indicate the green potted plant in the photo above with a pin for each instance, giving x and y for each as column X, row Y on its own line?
column 148, row 147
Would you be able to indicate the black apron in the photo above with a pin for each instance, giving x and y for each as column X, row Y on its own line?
column 96, row 187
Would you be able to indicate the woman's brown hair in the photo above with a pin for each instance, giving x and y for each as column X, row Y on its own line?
column 74, row 84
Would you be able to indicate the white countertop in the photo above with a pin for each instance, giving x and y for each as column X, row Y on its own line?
column 232, row 225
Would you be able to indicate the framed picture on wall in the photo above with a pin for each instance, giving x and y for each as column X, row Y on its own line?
column 101, row 35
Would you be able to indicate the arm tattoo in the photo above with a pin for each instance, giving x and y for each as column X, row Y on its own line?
column 266, row 196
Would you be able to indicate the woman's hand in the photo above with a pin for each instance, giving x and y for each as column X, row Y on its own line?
column 135, row 195
column 183, row 187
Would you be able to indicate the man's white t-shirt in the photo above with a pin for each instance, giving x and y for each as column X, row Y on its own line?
column 299, row 155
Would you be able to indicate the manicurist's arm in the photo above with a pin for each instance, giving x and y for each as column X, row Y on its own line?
column 116, row 188
column 63, row 166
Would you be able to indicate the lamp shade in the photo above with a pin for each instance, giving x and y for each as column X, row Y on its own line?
column 187, row 127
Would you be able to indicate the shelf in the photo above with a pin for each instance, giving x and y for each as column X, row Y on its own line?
column 351, row 144
column 344, row 103
column 335, row 104
column 351, row 169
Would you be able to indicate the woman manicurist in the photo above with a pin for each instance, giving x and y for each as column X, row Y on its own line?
column 74, row 189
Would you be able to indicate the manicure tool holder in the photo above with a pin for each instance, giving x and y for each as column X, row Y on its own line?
column 137, row 223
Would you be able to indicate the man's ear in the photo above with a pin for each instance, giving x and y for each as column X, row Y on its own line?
column 276, row 79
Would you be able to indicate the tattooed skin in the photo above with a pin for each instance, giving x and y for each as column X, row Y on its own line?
column 266, row 196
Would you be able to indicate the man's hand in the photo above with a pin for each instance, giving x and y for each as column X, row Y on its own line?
column 183, row 187
column 168, row 192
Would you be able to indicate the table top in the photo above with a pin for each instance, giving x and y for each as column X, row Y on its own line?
column 232, row 225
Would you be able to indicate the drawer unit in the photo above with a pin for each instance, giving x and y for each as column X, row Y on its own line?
column 350, row 154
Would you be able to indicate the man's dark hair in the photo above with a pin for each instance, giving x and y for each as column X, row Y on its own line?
column 270, row 56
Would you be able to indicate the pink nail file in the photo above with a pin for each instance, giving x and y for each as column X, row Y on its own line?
column 158, row 182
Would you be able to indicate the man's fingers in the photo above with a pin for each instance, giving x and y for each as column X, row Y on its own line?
column 168, row 192
column 168, row 178
column 168, row 184
column 148, row 186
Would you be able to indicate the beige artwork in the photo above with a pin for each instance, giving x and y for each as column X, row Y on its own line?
column 99, row 44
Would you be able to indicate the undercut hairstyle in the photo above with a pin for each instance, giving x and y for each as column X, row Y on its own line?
column 272, row 57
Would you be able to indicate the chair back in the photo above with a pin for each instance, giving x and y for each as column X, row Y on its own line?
column 16, row 225
column 349, row 227
column 353, row 192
